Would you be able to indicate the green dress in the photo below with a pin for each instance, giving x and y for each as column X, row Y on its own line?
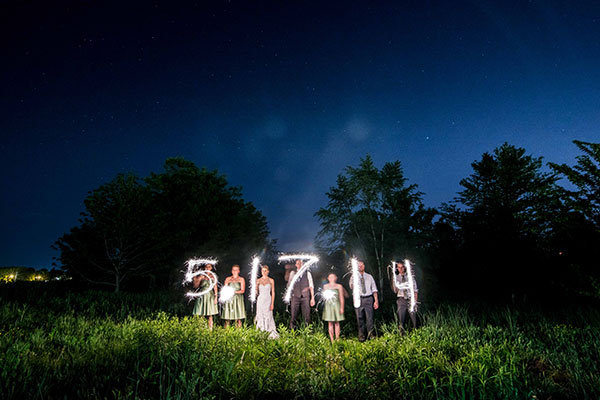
column 205, row 304
column 332, row 308
column 235, row 308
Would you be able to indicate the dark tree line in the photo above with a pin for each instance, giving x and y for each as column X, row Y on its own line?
column 512, row 232
column 139, row 232
column 515, row 230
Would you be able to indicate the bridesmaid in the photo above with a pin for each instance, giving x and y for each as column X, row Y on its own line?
column 333, row 310
column 235, row 310
column 206, row 305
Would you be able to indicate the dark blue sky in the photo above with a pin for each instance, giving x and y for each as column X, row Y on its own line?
column 279, row 97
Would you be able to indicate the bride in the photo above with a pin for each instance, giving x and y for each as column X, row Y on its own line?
column 264, row 303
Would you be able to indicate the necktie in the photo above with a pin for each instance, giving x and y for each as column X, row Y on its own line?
column 363, row 289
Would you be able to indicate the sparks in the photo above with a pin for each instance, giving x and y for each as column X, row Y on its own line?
column 355, row 282
column 227, row 293
column 328, row 294
column 409, row 285
column 212, row 278
column 253, row 277
column 310, row 261
column 190, row 274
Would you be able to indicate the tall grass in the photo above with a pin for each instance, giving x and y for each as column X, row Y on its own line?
column 101, row 345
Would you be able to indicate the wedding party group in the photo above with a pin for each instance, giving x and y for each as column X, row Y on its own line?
column 302, row 298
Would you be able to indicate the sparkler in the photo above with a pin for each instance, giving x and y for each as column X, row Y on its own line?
column 355, row 282
column 408, row 285
column 328, row 294
column 309, row 259
column 212, row 278
column 226, row 294
column 190, row 274
column 253, row 276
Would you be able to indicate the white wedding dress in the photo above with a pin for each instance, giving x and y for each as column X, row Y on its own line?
column 264, row 315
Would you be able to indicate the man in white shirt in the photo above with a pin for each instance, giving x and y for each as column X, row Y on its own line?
column 303, row 295
column 368, row 302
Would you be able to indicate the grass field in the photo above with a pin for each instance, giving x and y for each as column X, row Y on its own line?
column 103, row 345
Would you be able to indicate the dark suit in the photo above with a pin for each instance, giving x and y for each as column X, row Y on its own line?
column 300, row 300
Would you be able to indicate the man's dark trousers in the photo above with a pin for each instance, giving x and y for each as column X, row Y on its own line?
column 364, row 317
column 297, row 303
column 403, row 306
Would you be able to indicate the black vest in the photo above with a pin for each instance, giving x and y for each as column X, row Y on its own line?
column 301, row 284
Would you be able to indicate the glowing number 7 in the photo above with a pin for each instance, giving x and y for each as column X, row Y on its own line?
column 310, row 261
column 409, row 285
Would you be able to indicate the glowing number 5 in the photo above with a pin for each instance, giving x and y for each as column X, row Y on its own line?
column 190, row 274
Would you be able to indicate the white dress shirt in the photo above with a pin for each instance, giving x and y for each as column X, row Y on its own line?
column 370, row 286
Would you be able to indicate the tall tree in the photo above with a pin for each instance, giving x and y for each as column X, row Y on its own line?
column 374, row 213
column 585, row 176
column 134, row 229
column 577, row 237
column 504, row 215
column 117, row 237
column 203, row 214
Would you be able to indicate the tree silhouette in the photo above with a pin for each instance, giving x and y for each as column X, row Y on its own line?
column 504, row 216
column 374, row 214
column 585, row 176
column 135, row 229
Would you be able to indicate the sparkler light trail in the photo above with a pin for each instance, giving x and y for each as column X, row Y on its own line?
column 190, row 274
column 191, row 263
column 253, row 277
column 226, row 294
column 355, row 282
column 409, row 285
column 327, row 294
column 309, row 259
column 212, row 279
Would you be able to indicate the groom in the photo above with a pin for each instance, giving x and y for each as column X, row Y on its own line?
column 303, row 294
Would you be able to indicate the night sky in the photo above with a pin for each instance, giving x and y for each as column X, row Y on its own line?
column 280, row 98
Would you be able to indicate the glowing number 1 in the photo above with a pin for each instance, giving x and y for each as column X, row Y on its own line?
column 253, row 276
column 355, row 283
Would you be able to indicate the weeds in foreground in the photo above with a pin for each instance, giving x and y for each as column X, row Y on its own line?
column 88, row 346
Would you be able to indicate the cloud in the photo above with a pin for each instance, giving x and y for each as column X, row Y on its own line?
column 358, row 129
column 275, row 128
